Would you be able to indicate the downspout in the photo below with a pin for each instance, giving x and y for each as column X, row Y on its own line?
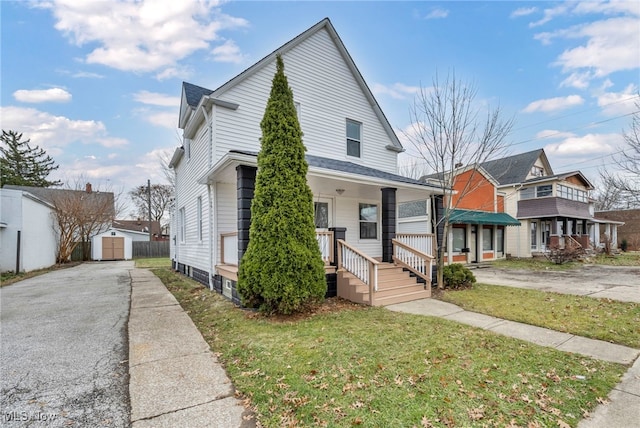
column 209, row 120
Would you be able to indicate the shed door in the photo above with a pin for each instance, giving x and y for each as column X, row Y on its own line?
column 112, row 248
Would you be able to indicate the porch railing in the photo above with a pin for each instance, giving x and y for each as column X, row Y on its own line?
column 325, row 242
column 229, row 248
column 423, row 242
column 360, row 265
column 412, row 259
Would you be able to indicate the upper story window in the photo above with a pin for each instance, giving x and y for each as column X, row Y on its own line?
column 536, row 192
column 537, row 171
column 354, row 142
column 567, row 192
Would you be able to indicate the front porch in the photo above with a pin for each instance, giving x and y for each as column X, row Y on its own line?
column 357, row 276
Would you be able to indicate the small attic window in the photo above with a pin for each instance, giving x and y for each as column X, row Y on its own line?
column 187, row 148
column 537, row 171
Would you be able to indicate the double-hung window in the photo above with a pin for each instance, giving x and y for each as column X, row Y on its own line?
column 183, row 225
column 354, row 138
column 368, row 221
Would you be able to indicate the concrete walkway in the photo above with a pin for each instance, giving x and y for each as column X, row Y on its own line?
column 175, row 380
column 622, row 411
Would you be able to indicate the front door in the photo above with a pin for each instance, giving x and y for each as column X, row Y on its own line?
column 323, row 219
column 473, row 245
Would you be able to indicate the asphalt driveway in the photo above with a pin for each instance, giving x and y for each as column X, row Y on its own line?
column 604, row 282
column 64, row 351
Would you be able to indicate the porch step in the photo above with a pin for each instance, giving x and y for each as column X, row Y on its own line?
column 395, row 285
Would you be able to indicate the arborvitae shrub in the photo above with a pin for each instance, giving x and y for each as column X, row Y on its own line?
column 458, row 276
column 282, row 270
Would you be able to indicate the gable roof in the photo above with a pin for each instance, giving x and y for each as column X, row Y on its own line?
column 562, row 176
column 514, row 169
column 324, row 24
column 137, row 226
column 194, row 93
column 49, row 195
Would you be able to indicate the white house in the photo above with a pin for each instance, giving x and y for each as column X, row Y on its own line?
column 352, row 155
column 28, row 240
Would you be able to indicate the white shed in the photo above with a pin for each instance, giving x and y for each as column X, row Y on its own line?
column 111, row 245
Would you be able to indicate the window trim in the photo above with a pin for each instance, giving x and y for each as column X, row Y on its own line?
column 183, row 225
column 360, row 221
column 464, row 238
column 490, row 241
column 347, row 138
column 200, row 222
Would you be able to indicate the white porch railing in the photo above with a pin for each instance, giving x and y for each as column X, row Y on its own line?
column 423, row 242
column 412, row 259
column 325, row 242
column 360, row 265
column 229, row 248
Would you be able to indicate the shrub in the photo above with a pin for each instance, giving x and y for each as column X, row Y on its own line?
column 624, row 245
column 458, row 276
column 282, row 270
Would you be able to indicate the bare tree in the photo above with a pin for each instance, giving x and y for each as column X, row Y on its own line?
column 625, row 184
column 161, row 200
column 449, row 130
column 169, row 174
column 79, row 215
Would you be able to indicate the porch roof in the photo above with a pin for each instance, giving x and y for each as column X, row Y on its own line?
column 344, row 169
column 482, row 217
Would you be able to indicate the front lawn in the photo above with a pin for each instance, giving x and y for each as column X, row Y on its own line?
column 349, row 365
column 622, row 259
column 153, row 263
column 602, row 319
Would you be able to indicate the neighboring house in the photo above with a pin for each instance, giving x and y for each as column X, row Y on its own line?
column 28, row 240
column 138, row 230
column 554, row 210
column 629, row 232
column 478, row 222
column 352, row 155
column 93, row 209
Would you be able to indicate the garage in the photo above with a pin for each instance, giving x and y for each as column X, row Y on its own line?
column 111, row 245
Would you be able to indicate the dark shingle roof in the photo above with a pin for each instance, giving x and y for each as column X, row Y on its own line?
column 352, row 168
column 137, row 226
column 512, row 169
column 49, row 195
column 194, row 93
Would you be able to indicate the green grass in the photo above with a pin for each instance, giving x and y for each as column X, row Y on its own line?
column 622, row 259
column 372, row 367
column 153, row 263
column 533, row 264
column 602, row 319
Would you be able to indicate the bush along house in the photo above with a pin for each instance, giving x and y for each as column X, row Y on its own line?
column 371, row 256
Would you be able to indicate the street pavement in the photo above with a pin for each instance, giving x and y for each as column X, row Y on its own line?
column 63, row 348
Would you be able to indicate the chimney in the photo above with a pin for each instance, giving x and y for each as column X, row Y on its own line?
column 458, row 165
column 88, row 187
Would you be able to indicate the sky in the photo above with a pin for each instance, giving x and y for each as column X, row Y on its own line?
column 97, row 84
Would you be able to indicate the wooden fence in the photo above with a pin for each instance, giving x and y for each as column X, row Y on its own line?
column 140, row 249
column 156, row 249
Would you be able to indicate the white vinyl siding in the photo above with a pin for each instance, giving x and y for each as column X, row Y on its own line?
column 199, row 217
column 226, row 213
column 322, row 82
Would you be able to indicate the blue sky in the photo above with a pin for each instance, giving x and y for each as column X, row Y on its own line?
column 97, row 84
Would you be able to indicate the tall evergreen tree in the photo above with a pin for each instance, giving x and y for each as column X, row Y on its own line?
column 282, row 270
column 23, row 165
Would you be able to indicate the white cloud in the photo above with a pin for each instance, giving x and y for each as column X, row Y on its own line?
column 156, row 99
column 437, row 13
column 577, row 80
column 55, row 132
column 227, row 52
column 55, row 95
column 613, row 45
column 554, row 104
column 141, row 36
column 549, row 14
column 523, row 11
column 167, row 120
column 87, row 75
column 619, row 103
column 398, row 91
column 589, row 144
column 552, row 133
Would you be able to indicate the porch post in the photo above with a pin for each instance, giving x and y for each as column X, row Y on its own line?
column 246, row 180
column 388, row 222
column 338, row 233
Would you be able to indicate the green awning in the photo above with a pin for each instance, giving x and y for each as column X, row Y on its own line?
column 482, row 217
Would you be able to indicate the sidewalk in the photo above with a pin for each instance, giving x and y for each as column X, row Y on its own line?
column 622, row 411
column 175, row 380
